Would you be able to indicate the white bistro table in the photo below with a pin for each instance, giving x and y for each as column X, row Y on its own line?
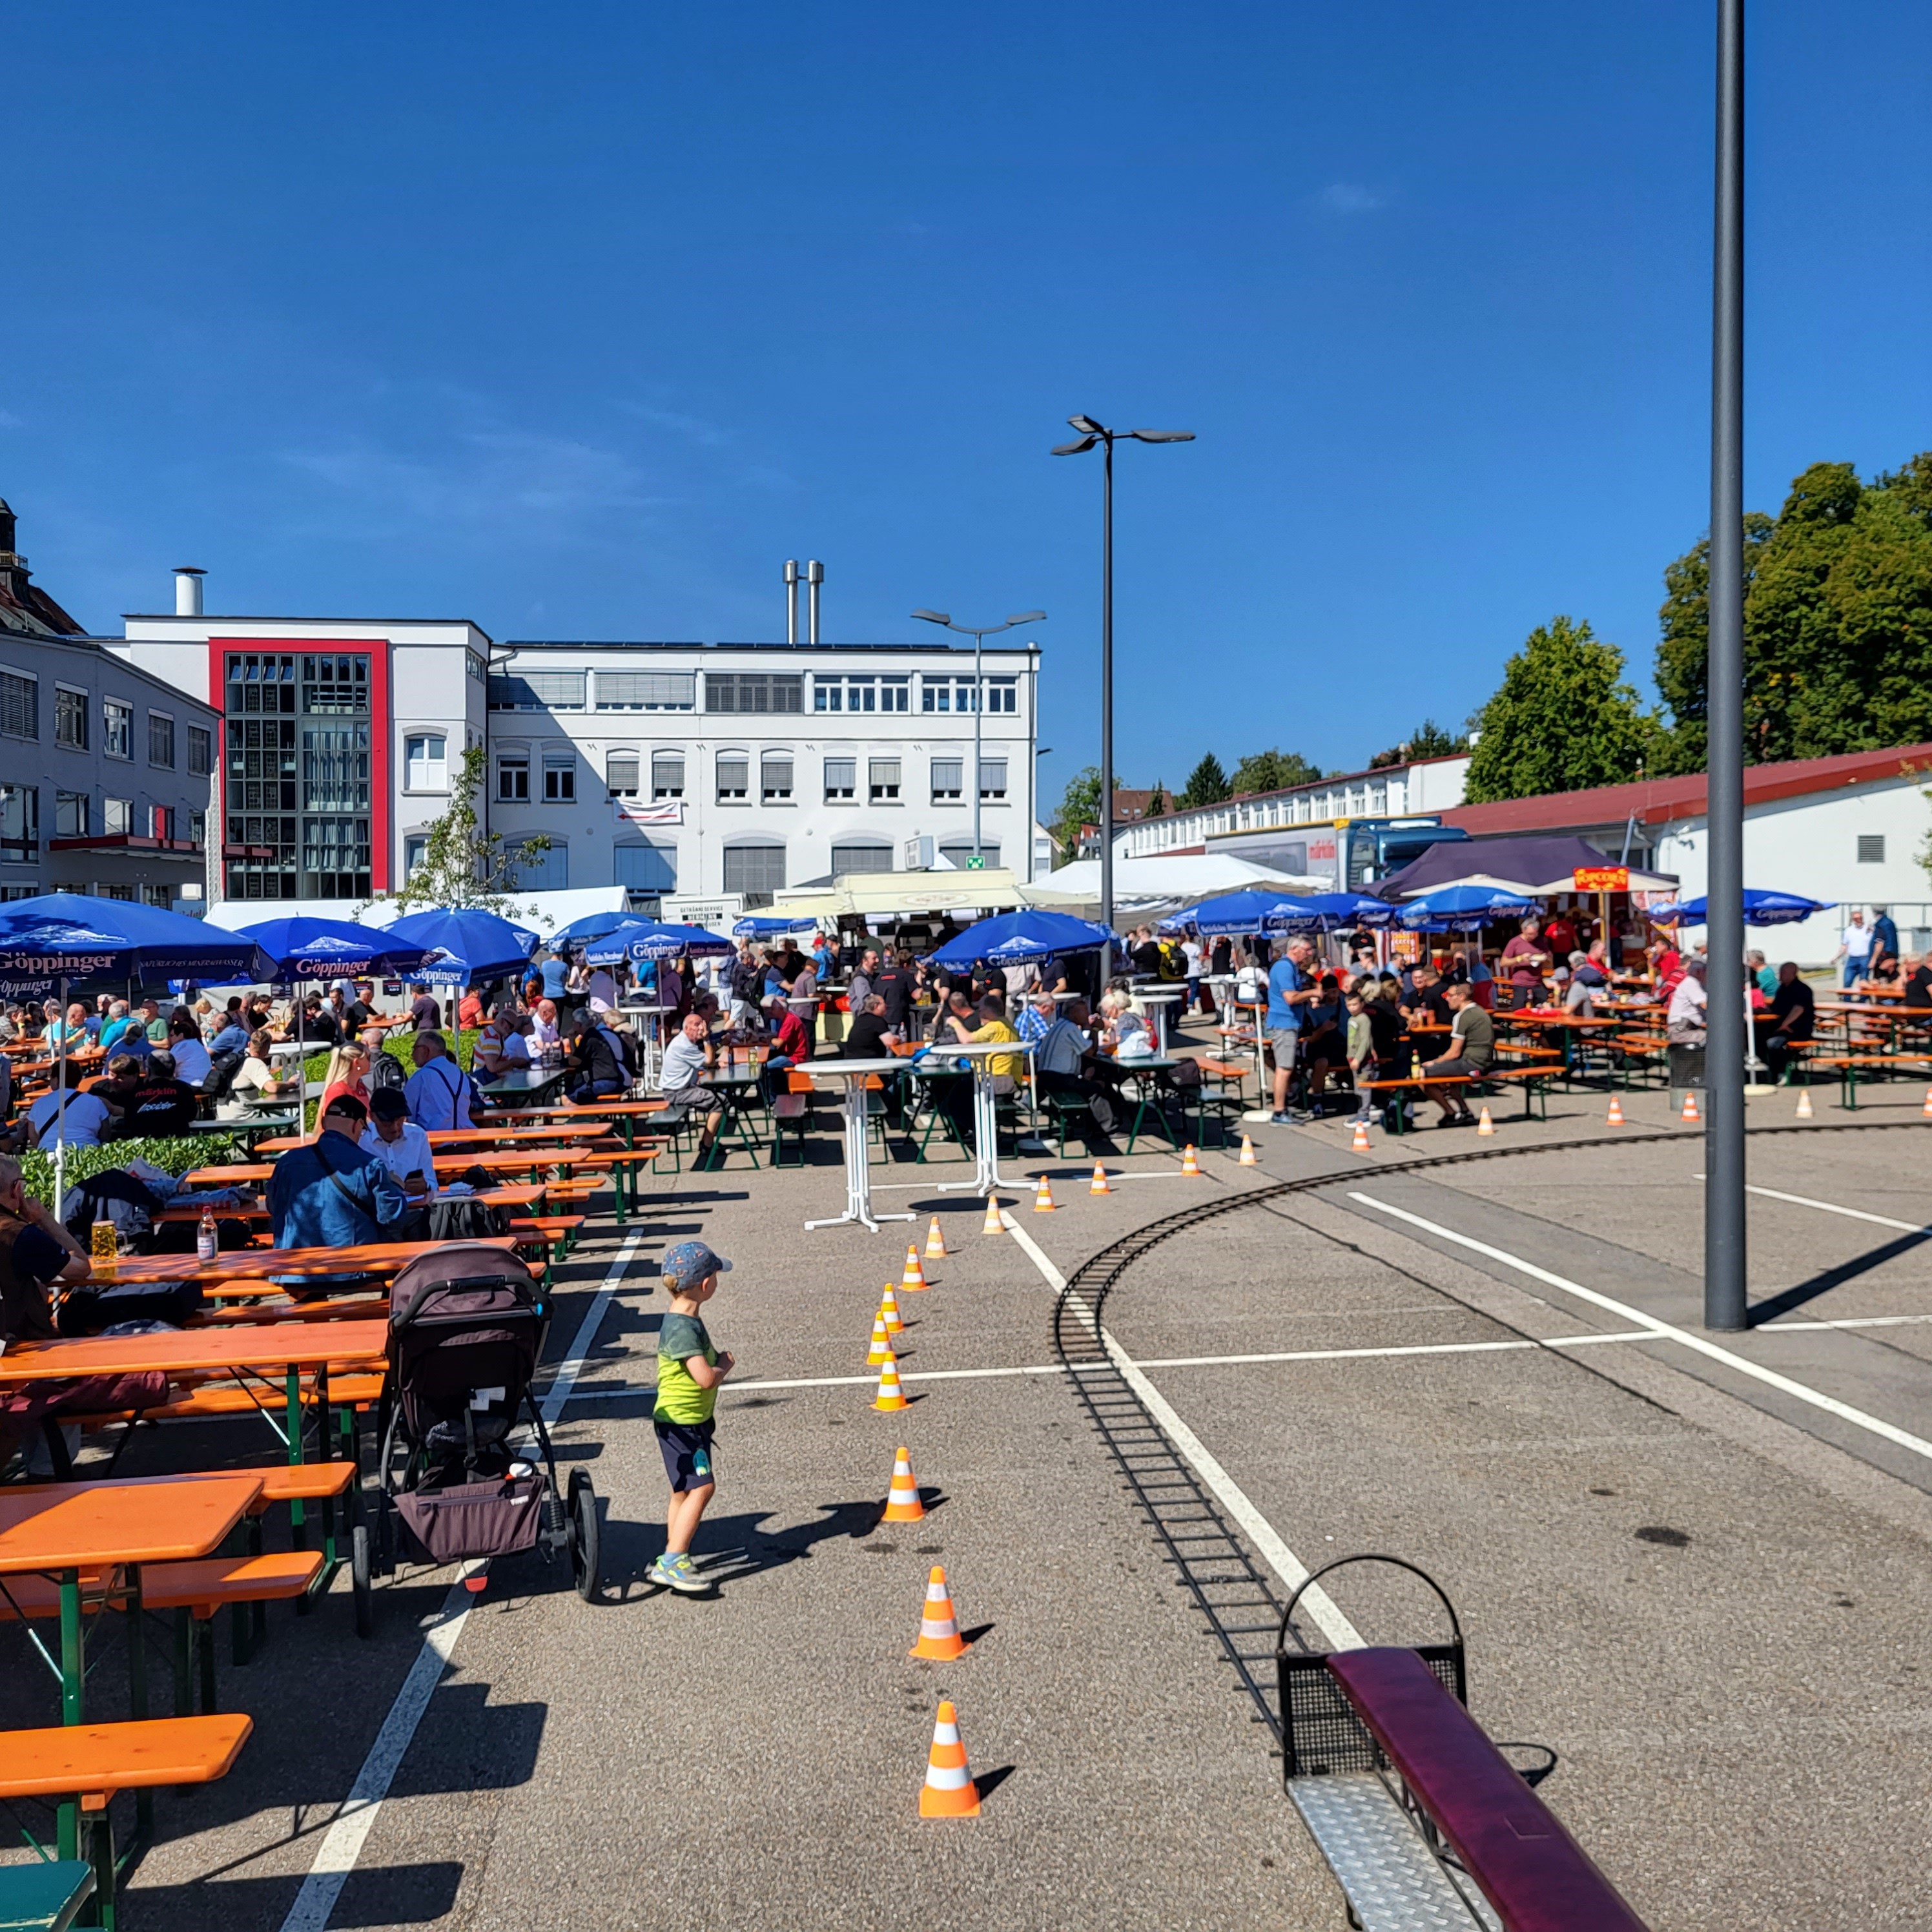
column 986, row 1179
column 1160, row 1001
column 858, row 1174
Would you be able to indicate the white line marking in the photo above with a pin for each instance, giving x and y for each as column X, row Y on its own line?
column 342, row 1844
column 1276, row 1553
column 1832, row 1208
column 1829, row 1404
column 1846, row 1321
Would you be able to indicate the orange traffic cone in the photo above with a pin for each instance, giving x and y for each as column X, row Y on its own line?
column 1247, row 1158
column 890, row 1395
column 1098, row 1185
column 1043, row 1202
column 1190, row 1161
column 882, row 1342
column 902, row 1502
column 1484, row 1125
column 1616, row 1117
column 889, row 1307
column 950, row 1790
column 992, row 1225
column 935, row 1242
column 939, row 1637
column 1926, row 1109
column 1359, row 1144
column 1690, row 1112
column 914, row 1276
column 1804, row 1103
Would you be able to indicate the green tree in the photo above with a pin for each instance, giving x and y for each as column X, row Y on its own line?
column 462, row 865
column 1561, row 720
column 1157, row 804
column 1838, row 622
column 1428, row 740
column 1207, row 784
column 1079, row 805
column 1272, row 771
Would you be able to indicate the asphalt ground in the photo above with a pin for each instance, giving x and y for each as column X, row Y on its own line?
column 1737, row 1715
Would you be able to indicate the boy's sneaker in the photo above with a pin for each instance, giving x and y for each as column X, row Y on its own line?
column 675, row 1573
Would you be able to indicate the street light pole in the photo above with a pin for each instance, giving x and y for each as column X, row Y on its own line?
column 1091, row 433
column 979, row 633
column 1725, row 1301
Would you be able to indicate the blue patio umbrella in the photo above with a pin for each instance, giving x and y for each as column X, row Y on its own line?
column 1012, row 938
column 332, row 948
column 1761, row 908
column 591, row 925
column 472, row 944
column 643, row 939
column 1250, row 911
column 754, row 926
column 1349, row 909
column 1462, row 909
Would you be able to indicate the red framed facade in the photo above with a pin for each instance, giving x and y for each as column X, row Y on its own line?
column 381, row 795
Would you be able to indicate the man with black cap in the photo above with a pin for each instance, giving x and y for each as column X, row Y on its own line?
column 399, row 1144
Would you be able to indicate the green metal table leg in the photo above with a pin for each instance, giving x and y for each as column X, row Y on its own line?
column 137, row 1692
column 73, row 1699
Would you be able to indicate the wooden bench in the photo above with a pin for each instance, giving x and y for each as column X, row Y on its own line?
column 84, row 1766
column 1535, row 1080
column 1849, row 1064
column 556, row 1234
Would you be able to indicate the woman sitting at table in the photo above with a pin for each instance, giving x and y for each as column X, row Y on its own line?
column 469, row 1010
column 347, row 1073
column 255, row 1079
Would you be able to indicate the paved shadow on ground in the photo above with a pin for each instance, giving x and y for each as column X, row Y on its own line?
column 1799, row 1293
column 374, row 1896
column 630, row 1548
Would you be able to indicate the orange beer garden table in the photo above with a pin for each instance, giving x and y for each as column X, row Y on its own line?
column 257, row 1264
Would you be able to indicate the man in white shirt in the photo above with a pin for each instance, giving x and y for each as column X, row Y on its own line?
column 1684, row 1021
column 396, row 1141
column 1854, row 946
column 438, row 1092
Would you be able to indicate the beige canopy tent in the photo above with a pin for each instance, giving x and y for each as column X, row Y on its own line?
column 890, row 894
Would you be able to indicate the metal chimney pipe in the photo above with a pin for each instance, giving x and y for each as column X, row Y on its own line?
column 814, row 575
column 187, row 589
column 791, row 600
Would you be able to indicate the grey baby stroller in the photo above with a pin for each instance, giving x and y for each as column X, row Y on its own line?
column 466, row 1329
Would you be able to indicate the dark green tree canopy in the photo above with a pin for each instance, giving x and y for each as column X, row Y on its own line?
column 1428, row 740
column 1207, row 784
column 1838, row 622
column 1562, row 720
column 1156, row 806
column 1079, row 805
column 1272, row 771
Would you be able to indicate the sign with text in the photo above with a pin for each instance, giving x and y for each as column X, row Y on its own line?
column 635, row 811
column 1602, row 878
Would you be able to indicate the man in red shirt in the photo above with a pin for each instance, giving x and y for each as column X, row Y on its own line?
column 1560, row 936
column 1525, row 959
column 790, row 1042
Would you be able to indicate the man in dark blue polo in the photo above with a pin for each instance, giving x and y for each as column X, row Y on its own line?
column 333, row 1193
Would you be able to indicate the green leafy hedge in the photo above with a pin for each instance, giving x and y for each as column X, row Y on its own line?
column 171, row 1156
column 400, row 1044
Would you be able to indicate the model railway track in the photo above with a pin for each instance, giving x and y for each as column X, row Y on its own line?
column 1232, row 1591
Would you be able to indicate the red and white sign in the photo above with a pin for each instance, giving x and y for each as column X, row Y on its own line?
column 638, row 812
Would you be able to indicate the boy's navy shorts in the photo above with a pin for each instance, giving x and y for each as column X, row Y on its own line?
column 686, row 1449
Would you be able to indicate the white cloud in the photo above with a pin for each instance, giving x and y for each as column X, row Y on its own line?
column 1350, row 198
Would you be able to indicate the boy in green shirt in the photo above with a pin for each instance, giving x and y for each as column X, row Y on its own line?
column 689, row 1370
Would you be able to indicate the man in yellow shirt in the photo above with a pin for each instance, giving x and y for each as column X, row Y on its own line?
column 994, row 1026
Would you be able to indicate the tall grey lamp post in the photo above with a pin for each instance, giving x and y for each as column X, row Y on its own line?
column 1091, row 433
column 1724, row 1292
column 979, row 633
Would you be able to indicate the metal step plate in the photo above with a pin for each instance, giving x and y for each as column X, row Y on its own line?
column 1391, row 1877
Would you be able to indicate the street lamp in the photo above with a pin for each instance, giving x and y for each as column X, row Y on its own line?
column 1090, row 434
column 979, row 633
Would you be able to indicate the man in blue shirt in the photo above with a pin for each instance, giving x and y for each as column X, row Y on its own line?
column 555, row 971
column 1290, row 989
column 1059, row 1063
column 333, row 1194
column 1883, row 963
column 438, row 1092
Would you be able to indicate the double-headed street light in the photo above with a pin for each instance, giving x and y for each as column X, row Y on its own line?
column 979, row 633
column 1090, row 434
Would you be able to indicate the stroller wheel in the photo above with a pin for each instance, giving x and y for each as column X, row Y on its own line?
column 585, row 1535
column 360, row 1578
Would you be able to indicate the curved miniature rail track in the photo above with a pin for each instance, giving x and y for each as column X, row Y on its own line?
column 1210, row 1560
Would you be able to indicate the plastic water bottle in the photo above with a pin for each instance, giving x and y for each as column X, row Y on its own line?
column 207, row 1243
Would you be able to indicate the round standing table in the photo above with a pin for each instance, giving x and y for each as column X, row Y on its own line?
column 858, row 1174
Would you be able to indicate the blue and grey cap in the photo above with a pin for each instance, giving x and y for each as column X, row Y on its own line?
column 689, row 1262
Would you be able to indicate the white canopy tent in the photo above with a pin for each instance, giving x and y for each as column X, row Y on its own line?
column 1148, row 888
column 962, row 892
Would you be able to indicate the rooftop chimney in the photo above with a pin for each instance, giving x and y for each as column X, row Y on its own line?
column 814, row 575
column 187, row 589
column 791, row 600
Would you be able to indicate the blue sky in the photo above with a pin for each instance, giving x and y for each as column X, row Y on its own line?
column 578, row 321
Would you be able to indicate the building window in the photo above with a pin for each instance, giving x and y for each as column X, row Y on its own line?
column 559, row 769
column 71, row 814
column 993, row 777
column 1871, row 848
column 513, row 779
column 161, row 740
column 121, row 894
column 946, row 694
column 476, row 665
column 426, row 762
column 20, row 705
column 538, row 691
column 883, row 774
column 666, row 775
column 1002, row 694
column 335, row 767
column 261, row 682
column 621, row 774
column 335, row 854
column 335, row 684
column 9, row 893
column 871, row 857
column 642, row 867
column 197, row 829
column 734, row 774
column 70, row 717
column 834, row 691
column 774, row 777
column 415, row 850
column 200, row 751
column 756, row 872
column 545, row 871
column 960, row 851
column 841, row 779
column 160, row 822
column 161, row 895
column 759, row 692
column 647, row 691
column 19, row 822
column 117, row 730
column 948, row 780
